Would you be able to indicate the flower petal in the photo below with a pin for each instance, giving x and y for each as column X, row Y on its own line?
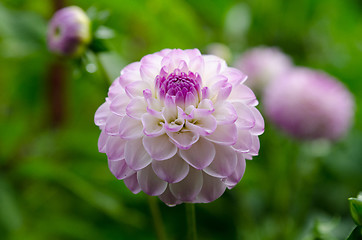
column 112, row 124
column 136, row 108
column 200, row 155
column 152, row 126
column 189, row 187
column 225, row 113
column 160, row 148
column 172, row 170
column 244, row 94
column 130, row 73
column 130, row 128
column 202, row 125
column 135, row 155
column 259, row 122
column 132, row 183
column 150, row 183
column 224, row 162
column 246, row 119
column 135, row 89
column 119, row 104
column 224, row 134
column 234, row 76
column 236, row 176
column 120, row 169
column 183, row 139
column 101, row 115
column 244, row 142
column 102, row 142
column 115, row 148
column 168, row 198
column 212, row 189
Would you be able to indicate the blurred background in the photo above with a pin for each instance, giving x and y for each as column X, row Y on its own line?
column 54, row 184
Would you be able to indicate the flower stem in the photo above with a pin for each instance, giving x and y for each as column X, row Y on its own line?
column 102, row 70
column 191, row 221
column 157, row 221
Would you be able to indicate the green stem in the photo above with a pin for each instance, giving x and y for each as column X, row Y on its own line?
column 157, row 221
column 191, row 221
column 102, row 70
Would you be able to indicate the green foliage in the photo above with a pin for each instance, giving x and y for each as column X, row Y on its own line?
column 55, row 185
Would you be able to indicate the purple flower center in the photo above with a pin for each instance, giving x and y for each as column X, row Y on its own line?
column 179, row 87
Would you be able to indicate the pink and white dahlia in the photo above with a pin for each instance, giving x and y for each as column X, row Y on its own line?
column 309, row 104
column 179, row 125
column 263, row 65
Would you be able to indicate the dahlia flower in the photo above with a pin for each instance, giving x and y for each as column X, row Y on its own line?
column 309, row 104
column 69, row 31
column 179, row 125
column 263, row 65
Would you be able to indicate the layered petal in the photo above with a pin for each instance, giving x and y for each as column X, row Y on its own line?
column 200, row 155
column 150, row 183
column 159, row 148
column 188, row 189
column 135, row 154
column 172, row 170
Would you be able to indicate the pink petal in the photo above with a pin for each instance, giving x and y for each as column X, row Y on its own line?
column 235, row 76
column 115, row 148
column 200, row 155
column 119, row 104
column 246, row 119
column 120, row 169
column 160, row 148
column 189, row 187
column 115, row 89
column 203, row 125
column 196, row 65
column 224, row 162
column 244, row 142
column 135, row 155
column 244, row 94
column 172, row 170
column 130, row 128
column 213, row 66
column 224, row 134
column 112, row 124
column 150, row 183
column 183, row 139
column 102, row 142
column 168, row 198
column 152, row 126
column 132, row 183
column 136, row 108
column 212, row 189
column 225, row 113
column 135, row 89
column 130, row 73
column 236, row 176
column 101, row 115
column 224, row 92
column 259, row 122
column 150, row 71
column 255, row 146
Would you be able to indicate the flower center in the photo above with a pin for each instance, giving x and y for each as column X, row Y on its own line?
column 180, row 87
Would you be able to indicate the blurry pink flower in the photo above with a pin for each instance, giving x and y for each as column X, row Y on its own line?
column 309, row 104
column 179, row 125
column 69, row 31
column 263, row 65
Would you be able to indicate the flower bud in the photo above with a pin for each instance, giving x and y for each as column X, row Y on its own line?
column 69, row 32
column 355, row 205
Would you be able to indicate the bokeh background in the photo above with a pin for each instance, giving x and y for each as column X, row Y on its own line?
column 54, row 184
